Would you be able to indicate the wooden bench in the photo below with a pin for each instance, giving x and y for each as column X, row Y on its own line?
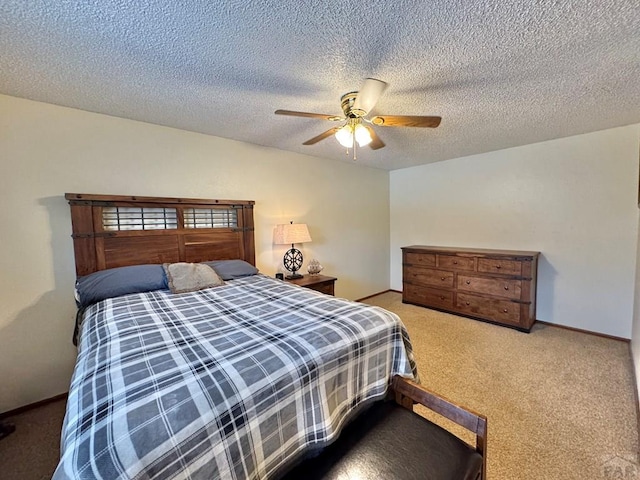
column 389, row 441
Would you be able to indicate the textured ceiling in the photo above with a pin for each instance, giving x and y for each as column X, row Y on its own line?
column 500, row 73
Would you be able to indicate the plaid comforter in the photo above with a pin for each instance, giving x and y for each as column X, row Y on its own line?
column 233, row 382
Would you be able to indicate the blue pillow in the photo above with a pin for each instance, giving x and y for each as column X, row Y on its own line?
column 232, row 269
column 119, row 281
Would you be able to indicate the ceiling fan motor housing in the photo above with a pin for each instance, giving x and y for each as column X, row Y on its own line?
column 346, row 101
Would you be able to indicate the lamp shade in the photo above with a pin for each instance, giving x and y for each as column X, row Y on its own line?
column 345, row 136
column 290, row 233
column 362, row 134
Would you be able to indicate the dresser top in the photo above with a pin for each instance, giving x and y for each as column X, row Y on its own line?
column 470, row 251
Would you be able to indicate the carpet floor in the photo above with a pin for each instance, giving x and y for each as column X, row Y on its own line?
column 560, row 404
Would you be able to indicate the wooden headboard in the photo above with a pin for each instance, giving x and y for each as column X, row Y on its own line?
column 115, row 231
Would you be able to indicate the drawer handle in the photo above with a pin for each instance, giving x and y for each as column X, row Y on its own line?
column 506, row 287
column 455, row 262
column 505, row 310
column 441, row 297
column 498, row 267
column 442, row 278
column 467, row 303
column 468, row 282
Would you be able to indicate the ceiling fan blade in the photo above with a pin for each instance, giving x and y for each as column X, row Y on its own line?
column 369, row 94
column 406, row 121
column 376, row 143
column 333, row 118
column 322, row 136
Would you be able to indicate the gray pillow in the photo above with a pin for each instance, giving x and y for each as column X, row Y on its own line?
column 232, row 269
column 115, row 282
column 185, row 277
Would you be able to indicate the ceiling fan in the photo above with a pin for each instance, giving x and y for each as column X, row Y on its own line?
column 354, row 129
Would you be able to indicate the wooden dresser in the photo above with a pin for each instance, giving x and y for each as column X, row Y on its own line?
column 498, row 286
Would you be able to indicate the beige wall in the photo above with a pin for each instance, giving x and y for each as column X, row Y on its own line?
column 48, row 150
column 573, row 199
column 635, row 330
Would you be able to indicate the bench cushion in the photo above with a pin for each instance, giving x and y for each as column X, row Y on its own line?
column 388, row 441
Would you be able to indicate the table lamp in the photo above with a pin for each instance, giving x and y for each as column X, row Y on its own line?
column 292, row 233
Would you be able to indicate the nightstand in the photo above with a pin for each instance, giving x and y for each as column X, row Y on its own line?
column 319, row 283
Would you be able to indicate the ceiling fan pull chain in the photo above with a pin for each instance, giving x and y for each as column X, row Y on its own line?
column 355, row 157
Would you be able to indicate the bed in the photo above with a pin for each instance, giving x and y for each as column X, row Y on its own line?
column 240, row 380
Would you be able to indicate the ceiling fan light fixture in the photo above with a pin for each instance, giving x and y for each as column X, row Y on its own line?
column 362, row 134
column 345, row 136
column 347, row 133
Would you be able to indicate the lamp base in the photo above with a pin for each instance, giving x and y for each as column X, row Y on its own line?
column 293, row 263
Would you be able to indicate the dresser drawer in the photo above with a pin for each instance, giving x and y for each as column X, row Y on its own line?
column 424, row 259
column 319, row 283
column 454, row 262
column 489, row 308
column 323, row 287
column 427, row 296
column 428, row 277
column 507, row 267
column 499, row 287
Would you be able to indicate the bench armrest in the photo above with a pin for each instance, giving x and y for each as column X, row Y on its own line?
column 407, row 392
